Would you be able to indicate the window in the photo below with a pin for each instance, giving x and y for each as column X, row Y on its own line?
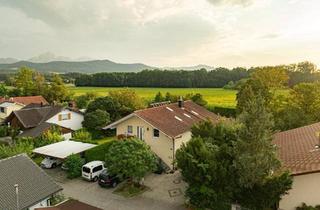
column 98, row 168
column 156, row 133
column 130, row 129
column 64, row 116
column 2, row 109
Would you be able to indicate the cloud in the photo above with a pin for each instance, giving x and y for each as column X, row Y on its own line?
column 269, row 36
column 231, row 2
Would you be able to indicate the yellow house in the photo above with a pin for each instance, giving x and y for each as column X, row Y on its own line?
column 164, row 127
column 299, row 151
column 7, row 107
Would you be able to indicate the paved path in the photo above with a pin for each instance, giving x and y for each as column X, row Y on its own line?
column 166, row 193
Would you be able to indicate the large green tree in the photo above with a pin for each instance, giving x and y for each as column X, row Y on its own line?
column 57, row 91
column 96, row 120
column 106, row 104
column 130, row 158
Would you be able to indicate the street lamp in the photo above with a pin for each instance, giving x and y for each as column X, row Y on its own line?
column 16, row 186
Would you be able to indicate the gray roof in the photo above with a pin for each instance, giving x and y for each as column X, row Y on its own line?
column 32, row 117
column 34, row 184
column 36, row 131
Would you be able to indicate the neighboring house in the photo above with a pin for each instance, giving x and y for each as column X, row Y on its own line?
column 299, row 151
column 36, row 120
column 70, row 205
column 164, row 128
column 35, row 187
column 8, row 105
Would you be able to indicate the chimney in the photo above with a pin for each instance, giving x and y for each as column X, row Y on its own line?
column 180, row 102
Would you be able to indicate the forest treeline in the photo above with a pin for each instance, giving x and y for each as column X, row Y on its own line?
column 217, row 78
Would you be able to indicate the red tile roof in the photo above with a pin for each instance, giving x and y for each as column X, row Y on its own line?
column 297, row 151
column 25, row 100
column 171, row 119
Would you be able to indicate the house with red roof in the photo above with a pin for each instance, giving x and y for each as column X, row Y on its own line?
column 8, row 105
column 299, row 151
column 164, row 127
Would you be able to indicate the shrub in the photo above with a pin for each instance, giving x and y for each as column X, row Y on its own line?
column 73, row 164
column 98, row 152
column 21, row 147
column 82, row 135
column 306, row 207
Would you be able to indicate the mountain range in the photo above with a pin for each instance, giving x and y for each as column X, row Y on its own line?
column 48, row 62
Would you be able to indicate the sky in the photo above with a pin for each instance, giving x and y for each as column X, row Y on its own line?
column 163, row 33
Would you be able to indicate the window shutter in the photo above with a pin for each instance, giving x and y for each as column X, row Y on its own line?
column 69, row 116
column 60, row 117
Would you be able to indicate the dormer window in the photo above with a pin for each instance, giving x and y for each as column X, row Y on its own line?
column 65, row 116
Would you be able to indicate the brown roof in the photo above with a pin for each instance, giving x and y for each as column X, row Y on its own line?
column 32, row 117
column 26, row 100
column 173, row 120
column 297, row 151
column 71, row 205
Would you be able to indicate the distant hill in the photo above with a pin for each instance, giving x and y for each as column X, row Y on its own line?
column 190, row 68
column 93, row 66
column 8, row 60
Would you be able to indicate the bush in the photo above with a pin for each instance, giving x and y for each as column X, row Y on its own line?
column 4, row 131
column 73, row 164
column 21, row 147
column 223, row 111
column 82, row 135
column 98, row 152
column 306, row 207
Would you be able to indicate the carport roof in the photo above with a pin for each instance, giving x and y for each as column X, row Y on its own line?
column 63, row 149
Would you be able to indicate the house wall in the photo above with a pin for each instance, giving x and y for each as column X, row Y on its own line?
column 162, row 146
column 74, row 123
column 9, row 109
column 305, row 188
column 43, row 203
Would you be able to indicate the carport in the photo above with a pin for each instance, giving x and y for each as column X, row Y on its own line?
column 63, row 149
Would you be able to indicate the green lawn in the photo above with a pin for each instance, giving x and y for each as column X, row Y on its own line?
column 214, row 96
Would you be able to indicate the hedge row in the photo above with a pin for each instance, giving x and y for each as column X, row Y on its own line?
column 223, row 111
column 98, row 152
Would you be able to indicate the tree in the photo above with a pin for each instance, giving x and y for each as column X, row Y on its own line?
column 271, row 77
column 23, row 81
column 73, row 164
column 82, row 101
column 249, row 90
column 96, row 120
column 106, row 104
column 128, row 99
column 306, row 67
column 259, row 171
column 206, row 165
column 198, row 99
column 57, row 90
column 159, row 97
column 3, row 90
column 131, row 158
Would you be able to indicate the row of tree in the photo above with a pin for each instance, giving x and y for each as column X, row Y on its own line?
column 28, row 82
column 217, row 78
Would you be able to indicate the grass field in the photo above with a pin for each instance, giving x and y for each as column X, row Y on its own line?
column 214, row 96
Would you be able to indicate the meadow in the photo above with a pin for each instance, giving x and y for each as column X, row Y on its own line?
column 214, row 96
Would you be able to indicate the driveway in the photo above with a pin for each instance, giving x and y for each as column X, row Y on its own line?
column 166, row 193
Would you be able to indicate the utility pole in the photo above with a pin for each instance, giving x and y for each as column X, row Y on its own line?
column 16, row 186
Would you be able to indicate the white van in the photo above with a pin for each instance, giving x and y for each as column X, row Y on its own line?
column 92, row 170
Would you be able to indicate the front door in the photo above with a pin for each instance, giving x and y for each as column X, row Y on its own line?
column 140, row 132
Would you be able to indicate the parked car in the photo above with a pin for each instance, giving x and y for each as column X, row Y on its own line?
column 65, row 168
column 109, row 180
column 50, row 162
column 92, row 170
